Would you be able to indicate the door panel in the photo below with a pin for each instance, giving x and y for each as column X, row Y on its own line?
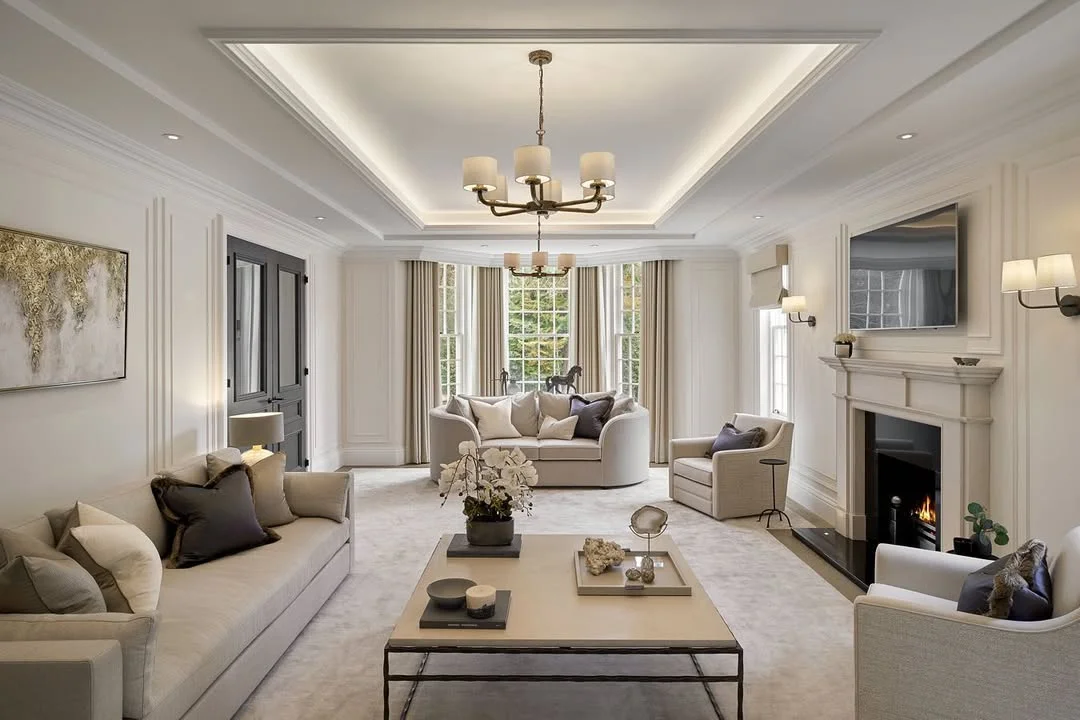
column 267, row 365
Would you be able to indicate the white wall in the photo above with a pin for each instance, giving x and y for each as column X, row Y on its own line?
column 1019, row 198
column 60, row 444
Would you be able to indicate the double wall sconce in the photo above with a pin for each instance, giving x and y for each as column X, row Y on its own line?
column 795, row 305
column 1048, row 272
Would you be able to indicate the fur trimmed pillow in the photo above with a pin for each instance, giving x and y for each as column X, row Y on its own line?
column 591, row 415
column 1017, row 587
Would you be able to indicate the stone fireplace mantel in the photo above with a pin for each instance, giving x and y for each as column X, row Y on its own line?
column 954, row 398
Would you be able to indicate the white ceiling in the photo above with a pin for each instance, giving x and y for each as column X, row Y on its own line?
column 701, row 101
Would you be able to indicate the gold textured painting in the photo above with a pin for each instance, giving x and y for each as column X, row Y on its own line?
column 63, row 312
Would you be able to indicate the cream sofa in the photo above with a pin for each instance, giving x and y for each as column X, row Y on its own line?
column 731, row 483
column 619, row 457
column 217, row 631
column 917, row 656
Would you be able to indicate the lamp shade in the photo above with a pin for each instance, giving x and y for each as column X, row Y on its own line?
column 263, row 428
column 793, row 304
column 479, row 173
column 1055, row 271
column 553, row 191
column 532, row 163
column 499, row 193
column 1017, row 275
column 511, row 261
column 539, row 259
column 597, row 168
column 567, row 260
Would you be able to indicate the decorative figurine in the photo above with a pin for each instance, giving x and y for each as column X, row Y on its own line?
column 601, row 554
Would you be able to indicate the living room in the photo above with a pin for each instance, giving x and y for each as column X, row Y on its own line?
column 740, row 169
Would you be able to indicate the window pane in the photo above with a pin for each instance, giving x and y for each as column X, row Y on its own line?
column 247, row 353
column 538, row 329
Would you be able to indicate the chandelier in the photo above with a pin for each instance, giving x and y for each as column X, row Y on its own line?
column 532, row 167
column 538, row 261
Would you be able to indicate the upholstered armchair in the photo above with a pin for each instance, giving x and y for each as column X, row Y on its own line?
column 917, row 656
column 731, row 483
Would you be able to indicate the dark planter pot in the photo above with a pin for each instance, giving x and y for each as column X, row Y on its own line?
column 489, row 533
column 963, row 546
column 842, row 350
column 980, row 546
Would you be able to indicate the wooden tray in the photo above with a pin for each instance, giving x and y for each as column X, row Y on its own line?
column 669, row 581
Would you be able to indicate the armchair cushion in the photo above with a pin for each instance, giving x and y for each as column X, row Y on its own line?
column 1016, row 587
column 591, row 415
column 731, row 439
column 697, row 469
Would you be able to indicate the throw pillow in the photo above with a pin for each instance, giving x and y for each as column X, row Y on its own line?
column 35, row 578
column 1017, row 586
column 623, row 404
column 220, row 459
column 493, row 421
column 214, row 520
column 459, row 406
column 730, row 438
column 591, row 415
column 268, row 491
column 552, row 429
column 122, row 559
column 553, row 405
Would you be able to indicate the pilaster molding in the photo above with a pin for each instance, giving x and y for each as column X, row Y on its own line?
column 216, row 335
column 159, row 375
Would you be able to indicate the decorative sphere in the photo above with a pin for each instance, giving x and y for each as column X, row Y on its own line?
column 633, row 574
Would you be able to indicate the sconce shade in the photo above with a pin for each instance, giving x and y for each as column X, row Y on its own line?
column 1055, row 271
column 263, row 428
column 1017, row 275
column 793, row 304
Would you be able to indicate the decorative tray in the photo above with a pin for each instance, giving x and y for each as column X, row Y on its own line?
column 669, row 580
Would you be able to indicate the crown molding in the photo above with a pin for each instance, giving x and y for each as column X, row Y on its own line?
column 694, row 253
column 32, row 111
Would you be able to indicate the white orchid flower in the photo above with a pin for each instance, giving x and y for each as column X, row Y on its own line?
column 466, row 447
column 495, row 458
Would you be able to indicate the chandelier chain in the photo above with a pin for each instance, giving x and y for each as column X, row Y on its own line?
column 540, row 129
column 538, row 232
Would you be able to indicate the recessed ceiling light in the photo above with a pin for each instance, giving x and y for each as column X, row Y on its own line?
column 171, row 136
column 320, row 218
column 759, row 217
column 905, row 136
column 483, row 246
column 594, row 245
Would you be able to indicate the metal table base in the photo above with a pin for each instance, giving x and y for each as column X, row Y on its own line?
column 426, row 651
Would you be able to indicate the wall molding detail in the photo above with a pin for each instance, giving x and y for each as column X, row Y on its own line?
column 159, row 375
column 373, row 455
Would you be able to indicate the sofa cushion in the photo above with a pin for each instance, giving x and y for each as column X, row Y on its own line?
column 493, row 421
column 553, row 405
column 268, row 491
column 694, row 468
column 623, row 404
column 1066, row 574
column 524, row 412
column 930, row 602
column 528, row 445
column 218, row 460
column 37, row 578
column 457, row 405
column 210, row 613
column 1016, row 587
column 575, row 449
column 552, row 429
column 591, row 415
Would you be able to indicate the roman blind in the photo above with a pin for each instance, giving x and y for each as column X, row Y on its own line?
column 766, row 268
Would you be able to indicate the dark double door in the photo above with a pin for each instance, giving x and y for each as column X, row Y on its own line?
column 267, row 366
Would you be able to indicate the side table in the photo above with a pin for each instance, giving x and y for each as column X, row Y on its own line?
column 767, row 514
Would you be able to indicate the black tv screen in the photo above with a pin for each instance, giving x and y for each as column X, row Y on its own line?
column 904, row 275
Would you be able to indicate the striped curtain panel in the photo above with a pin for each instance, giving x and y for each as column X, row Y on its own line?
column 657, row 330
column 490, row 329
column 421, row 355
column 587, row 329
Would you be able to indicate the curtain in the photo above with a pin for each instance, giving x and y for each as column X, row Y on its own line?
column 656, row 336
column 421, row 355
column 587, row 329
column 490, row 330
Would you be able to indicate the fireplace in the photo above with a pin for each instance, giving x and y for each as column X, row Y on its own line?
column 903, row 482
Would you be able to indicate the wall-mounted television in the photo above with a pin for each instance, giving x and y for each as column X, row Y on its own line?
column 904, row 276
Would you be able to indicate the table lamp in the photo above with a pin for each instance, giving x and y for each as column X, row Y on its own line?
column 256, row 430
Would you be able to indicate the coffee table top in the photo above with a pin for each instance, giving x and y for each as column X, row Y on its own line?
column 546, row 610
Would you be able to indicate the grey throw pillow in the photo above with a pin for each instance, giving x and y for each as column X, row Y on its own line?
column 1017, row 587
column 218, row 460
column 35, row 578
column 214, row 520
column 729, row 438
column 591, row 415
column 459, row 406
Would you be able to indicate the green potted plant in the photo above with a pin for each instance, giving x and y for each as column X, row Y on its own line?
column 492, row 485
column 982, row 527
column 842, row 344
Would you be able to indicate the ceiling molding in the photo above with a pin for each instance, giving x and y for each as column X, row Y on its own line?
column 28, row 109
column 384, row 253
column 459, row 233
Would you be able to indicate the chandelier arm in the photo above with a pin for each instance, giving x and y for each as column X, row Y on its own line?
column 517, row 211
column 588, row 211
column 583, row 201
column 532, row 191
column 499, row 203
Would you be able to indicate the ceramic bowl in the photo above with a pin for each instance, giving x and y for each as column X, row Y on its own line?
column 966, row 361
column 449, row 593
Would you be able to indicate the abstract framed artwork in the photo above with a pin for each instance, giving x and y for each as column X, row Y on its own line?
column 63, row 312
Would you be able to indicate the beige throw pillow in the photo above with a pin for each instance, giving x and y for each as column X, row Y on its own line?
column 219, row 460
column 623, row 404
column 36, row 578
column 552, row 405
column 268, row 491
column 122, row 559
column 493, row 421
column 552, row 429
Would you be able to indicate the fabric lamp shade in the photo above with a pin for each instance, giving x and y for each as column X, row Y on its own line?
column 539, row 259
column 512, row 260
column 793, row 304
column 597, row 168
column 1055, row 271
column 553, row 191
column 263, row 428
column 567, row 260
column 499, row 193
column 532, row 163
column 479, row 173
column 1017, row 275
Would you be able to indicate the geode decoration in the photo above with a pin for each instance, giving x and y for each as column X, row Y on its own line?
column 633, row 574
column 647, row 576
column 648, row 520
column 600, row 554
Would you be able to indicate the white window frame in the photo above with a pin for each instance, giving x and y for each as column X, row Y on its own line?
column 458, row 336
column 879, row 293
column 622, row 383
column 775, row 365
column 558, row 365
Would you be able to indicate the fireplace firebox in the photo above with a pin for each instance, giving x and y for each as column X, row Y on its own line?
column 903, row 482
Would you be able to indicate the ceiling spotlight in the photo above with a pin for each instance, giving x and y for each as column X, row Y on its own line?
column 320, row 218
column 170, row 136
column 759, row 217
column 483, row 246
column 905, row 136
column 594, row 245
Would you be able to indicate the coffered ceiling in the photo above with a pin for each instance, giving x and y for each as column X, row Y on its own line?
column 360, row 113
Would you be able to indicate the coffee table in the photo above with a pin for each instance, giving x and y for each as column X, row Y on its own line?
column 547, row 617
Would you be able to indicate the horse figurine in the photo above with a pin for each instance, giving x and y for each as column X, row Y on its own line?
column 565, row 383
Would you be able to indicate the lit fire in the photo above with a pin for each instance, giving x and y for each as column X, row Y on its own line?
column 926, row 512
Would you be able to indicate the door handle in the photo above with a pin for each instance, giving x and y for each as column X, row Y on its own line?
column 275, row 399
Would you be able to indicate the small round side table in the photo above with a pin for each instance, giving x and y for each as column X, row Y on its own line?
column 767, row 514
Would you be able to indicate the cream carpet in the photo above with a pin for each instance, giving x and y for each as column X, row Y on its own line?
column 795, row 628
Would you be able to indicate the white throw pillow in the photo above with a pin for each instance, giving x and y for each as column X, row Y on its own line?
column 552, row 429
column 123, row 560
column 553, row 405
column 493, row 421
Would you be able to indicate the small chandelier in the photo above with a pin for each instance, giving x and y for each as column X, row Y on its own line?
column 539, row 261
column 532, row 167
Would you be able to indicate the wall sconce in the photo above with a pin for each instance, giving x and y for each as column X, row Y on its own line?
column 795, row 305
column 1052, row 271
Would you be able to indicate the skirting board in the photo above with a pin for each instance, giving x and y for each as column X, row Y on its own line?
column 808, row 495
column 373, row 456
column 327, row 461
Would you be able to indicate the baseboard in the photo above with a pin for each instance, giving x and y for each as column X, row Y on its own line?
column 327, row 460
column 811, row 490
column 373, row 455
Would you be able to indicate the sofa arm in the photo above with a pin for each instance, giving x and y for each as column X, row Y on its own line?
column 912, row 662
column 445, row 432
column 689, row 447
column 319, row 494
column 624, row 448
column 54, row 680
column 926, row 571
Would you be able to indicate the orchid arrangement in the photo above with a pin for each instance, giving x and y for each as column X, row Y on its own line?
column 492, row 484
